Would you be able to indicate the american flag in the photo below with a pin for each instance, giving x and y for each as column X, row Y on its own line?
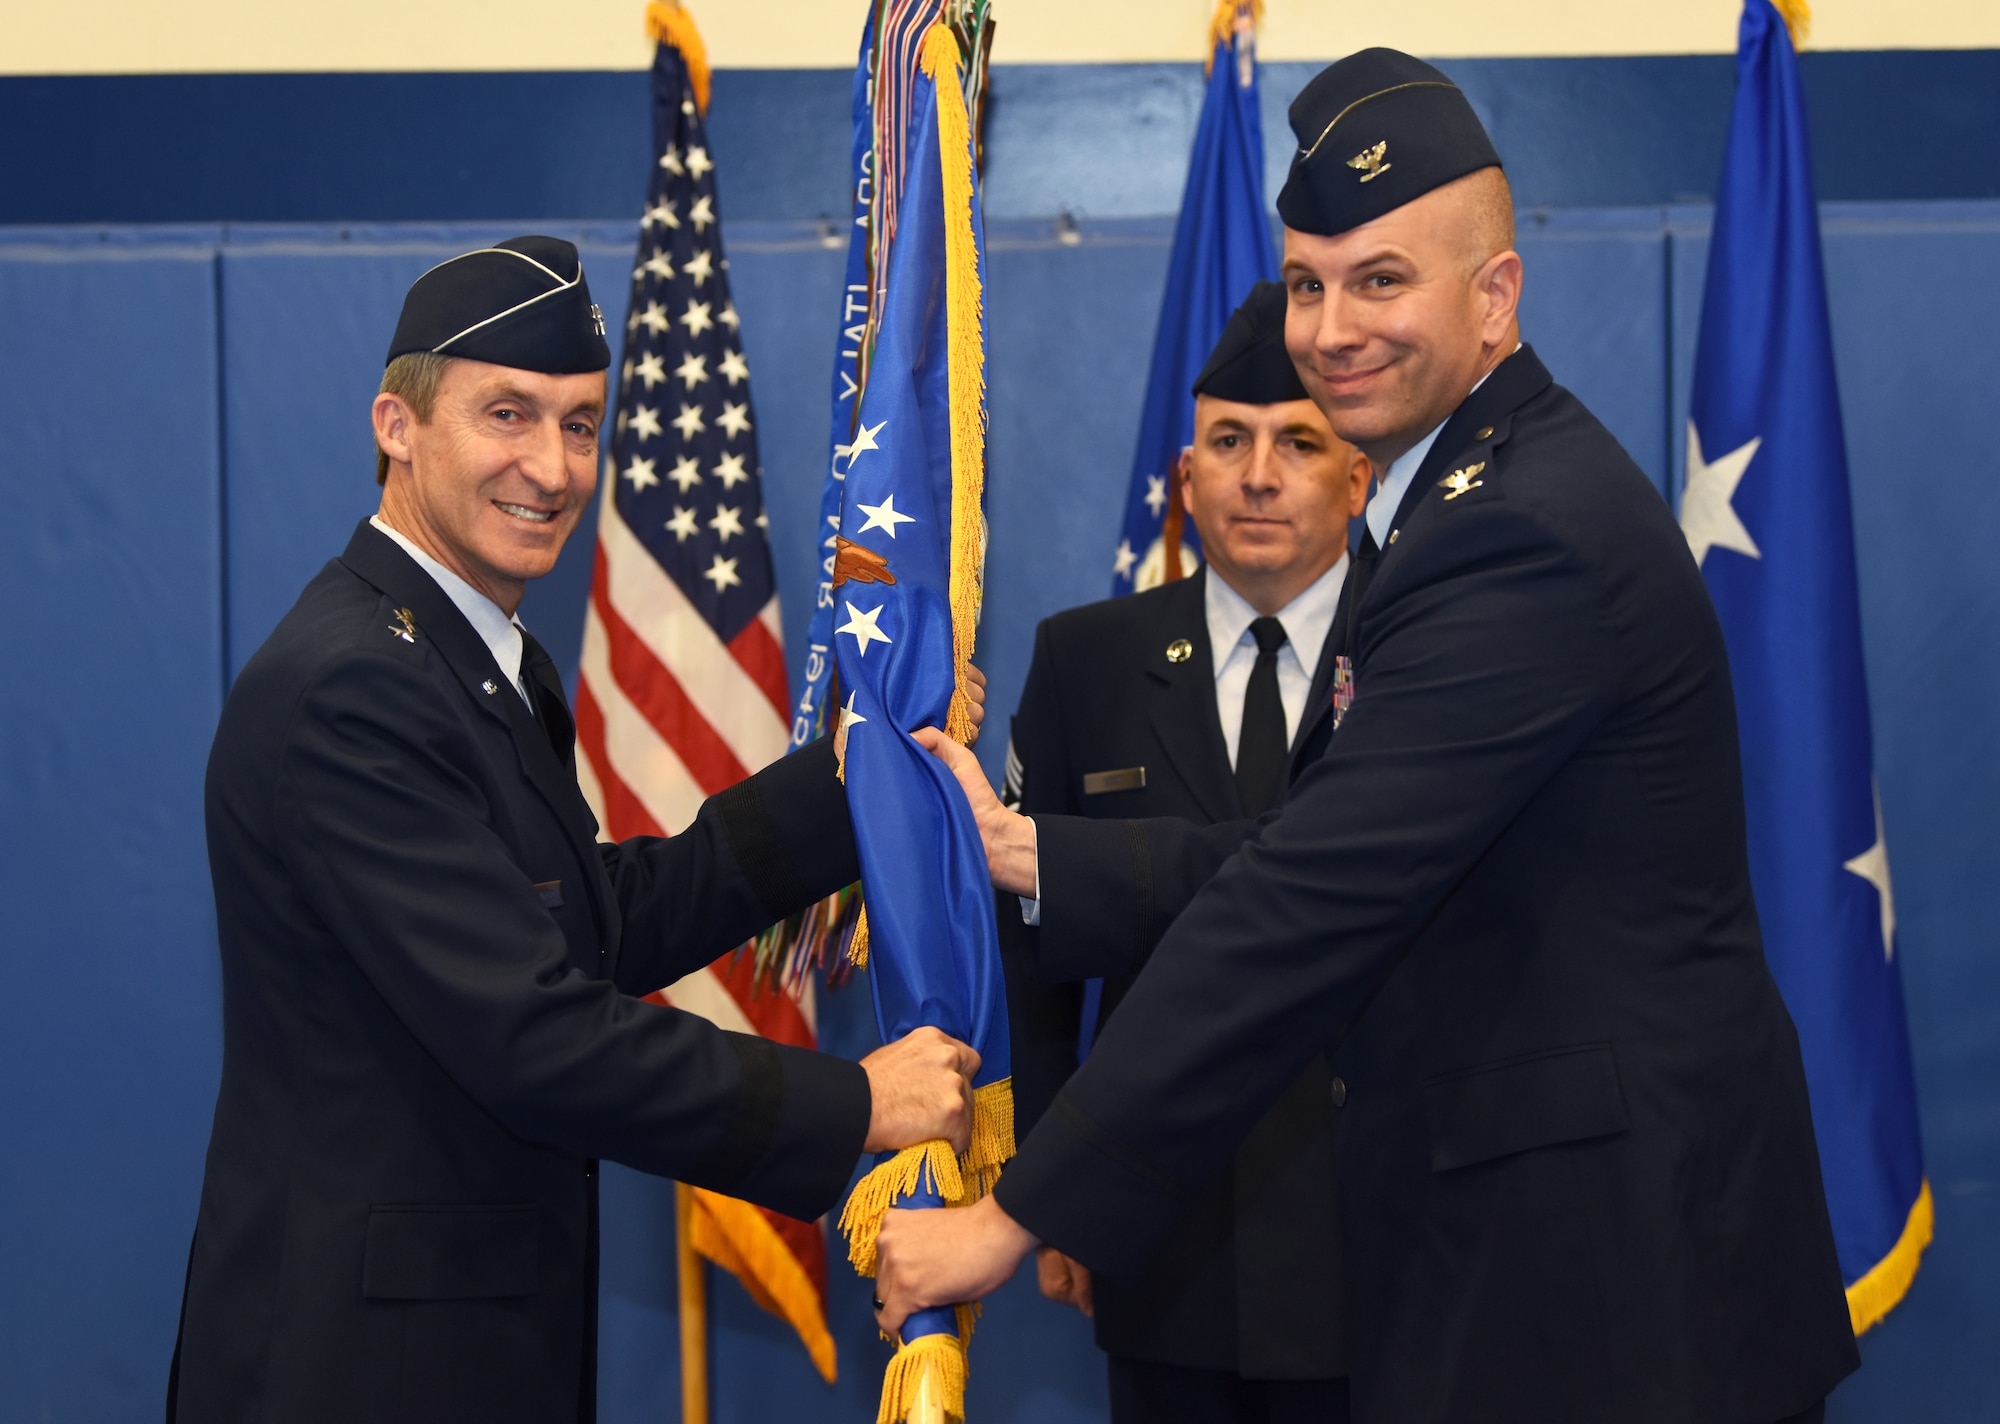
column 682, row 690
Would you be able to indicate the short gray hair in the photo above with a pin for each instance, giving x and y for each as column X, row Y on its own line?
column 414, row 377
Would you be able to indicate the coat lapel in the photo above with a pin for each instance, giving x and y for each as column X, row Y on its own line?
column 377, row 558
column 1184, row 718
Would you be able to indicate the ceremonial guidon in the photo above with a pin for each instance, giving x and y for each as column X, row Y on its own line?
column 427, row 967
column 1510, row 895
column 1121, row 716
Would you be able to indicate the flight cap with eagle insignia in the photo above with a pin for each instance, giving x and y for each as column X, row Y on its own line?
column 1376, row 130
column 521, row 303
column 1249, row 363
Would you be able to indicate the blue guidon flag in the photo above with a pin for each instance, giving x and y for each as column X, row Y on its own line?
column 1222, row 248
column 906, row 588
column 1767, row 516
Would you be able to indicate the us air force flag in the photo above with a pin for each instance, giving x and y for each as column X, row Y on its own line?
column 1766, row 514
column 906, row 590
column 1222, row 248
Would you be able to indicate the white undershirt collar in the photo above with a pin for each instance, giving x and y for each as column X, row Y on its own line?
column 501, row 634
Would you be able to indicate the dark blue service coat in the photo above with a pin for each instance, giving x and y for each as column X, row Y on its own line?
column 1578, row 1174
column 1111, row 726
column 430, row 1032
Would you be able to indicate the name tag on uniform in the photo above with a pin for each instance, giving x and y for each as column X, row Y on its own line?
column 1097, row 783
column 551, row 893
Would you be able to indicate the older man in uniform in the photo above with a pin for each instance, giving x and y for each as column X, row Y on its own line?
column 1179, row 701
column 429, row 961
column 1509, row 885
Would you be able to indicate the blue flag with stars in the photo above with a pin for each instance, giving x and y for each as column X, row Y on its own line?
column 1766, row 513
column 1222, row 248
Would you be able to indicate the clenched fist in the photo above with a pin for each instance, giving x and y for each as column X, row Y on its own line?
column 920, row 1088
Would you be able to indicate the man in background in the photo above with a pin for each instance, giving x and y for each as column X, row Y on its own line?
column 1180, row 701
column 430, row 964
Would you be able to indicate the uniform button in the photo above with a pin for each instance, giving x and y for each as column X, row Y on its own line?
column 1485, row 432
column 1340, row 1092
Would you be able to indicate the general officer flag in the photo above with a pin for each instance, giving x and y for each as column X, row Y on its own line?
column 1766, row 513
column 1222, row 248
column 906, row 586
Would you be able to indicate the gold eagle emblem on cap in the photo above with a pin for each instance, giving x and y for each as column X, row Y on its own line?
column 1460, row 481
column 1369, row 162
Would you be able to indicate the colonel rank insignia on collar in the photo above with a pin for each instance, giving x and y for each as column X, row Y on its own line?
column 405, row 626
column 1459, row 481
column 1369, row 162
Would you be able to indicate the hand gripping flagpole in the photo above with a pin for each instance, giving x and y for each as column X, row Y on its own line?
column 934, row 959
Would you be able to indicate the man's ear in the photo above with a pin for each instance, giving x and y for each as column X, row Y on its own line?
column 1358, row 476
column 1183, row 467
column 1498, row 282
column 393, row 420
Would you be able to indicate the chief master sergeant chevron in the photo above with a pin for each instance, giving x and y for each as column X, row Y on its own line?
column 1509, row 895
column 428, row 959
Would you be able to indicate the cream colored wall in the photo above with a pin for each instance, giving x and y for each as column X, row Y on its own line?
column 147, row 36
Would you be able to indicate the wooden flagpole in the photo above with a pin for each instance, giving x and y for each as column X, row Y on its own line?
column 693, row 1310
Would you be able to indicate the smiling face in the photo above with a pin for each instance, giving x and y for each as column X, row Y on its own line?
column 1392, row 323
column 492, row 484
column 1270, row 488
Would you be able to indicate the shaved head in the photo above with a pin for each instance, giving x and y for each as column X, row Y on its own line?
column 1482, row 207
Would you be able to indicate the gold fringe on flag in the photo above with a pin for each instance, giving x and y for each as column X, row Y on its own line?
column 1797, row 15
column 669, row 24
column 925, row 1379
column 960, row 1179
column 1229, row 16
column 738, row 1238
column 1877, row 1293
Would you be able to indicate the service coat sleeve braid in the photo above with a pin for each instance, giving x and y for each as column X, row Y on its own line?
column 385, row 825
column 1480, row 670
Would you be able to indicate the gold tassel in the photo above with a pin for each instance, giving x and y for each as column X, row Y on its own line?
column 1228, row 15
column 1797, row 15
column 874, row 1194
column 929, row 1370
column 992, row 1140
column 1877, row 1293
column 966, row 354
column 857, row 943
column 669, row 24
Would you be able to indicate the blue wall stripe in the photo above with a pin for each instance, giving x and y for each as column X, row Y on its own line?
column 1100, row 140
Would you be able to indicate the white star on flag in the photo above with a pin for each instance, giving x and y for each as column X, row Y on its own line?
column 698, row 163
column 848, row 716
column 659, row 264
column 685, row 473
column 728, row 520
column 682, row 526
column 864, row 439
column 662, row 213
column 693, row 369
column 696, row 319
column 729, row 469
column 645, row 422
column 671, row 161
column 702, row 213
column 735, row 417
column 1872, row 865
column 640, row 473
column 734, row 367
column 654, row 318
column 883, row 516
column 1156, row 493
column 1707, row 517
column 700, row 267
column 727, row 316
column 1121, row 566
column 862, row 626
column 651, row 369
column 722, row 573
column 689, row 422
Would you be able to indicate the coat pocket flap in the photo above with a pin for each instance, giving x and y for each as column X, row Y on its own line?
column 1497, row 1109
column 451, row 1252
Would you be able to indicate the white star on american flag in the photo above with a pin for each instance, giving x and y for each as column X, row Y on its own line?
column 722, row 573
column 645, row 422
column 689, row 422
column 702, row 213
column 659, row 264
column 654, row 318
column 693, row 369
column 671, row 161
column 685, row 474
column 682, row 525
column 700, row 267
column 662, row 213
column 728, row 520
column 651, row 369
column 698, row 163
column 696, row 318
column 735, row 417
column 728, row 316
column 640, row 473
column 729, row 469
column 734, row 367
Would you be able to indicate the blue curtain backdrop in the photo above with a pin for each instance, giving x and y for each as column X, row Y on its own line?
column 187, row 442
